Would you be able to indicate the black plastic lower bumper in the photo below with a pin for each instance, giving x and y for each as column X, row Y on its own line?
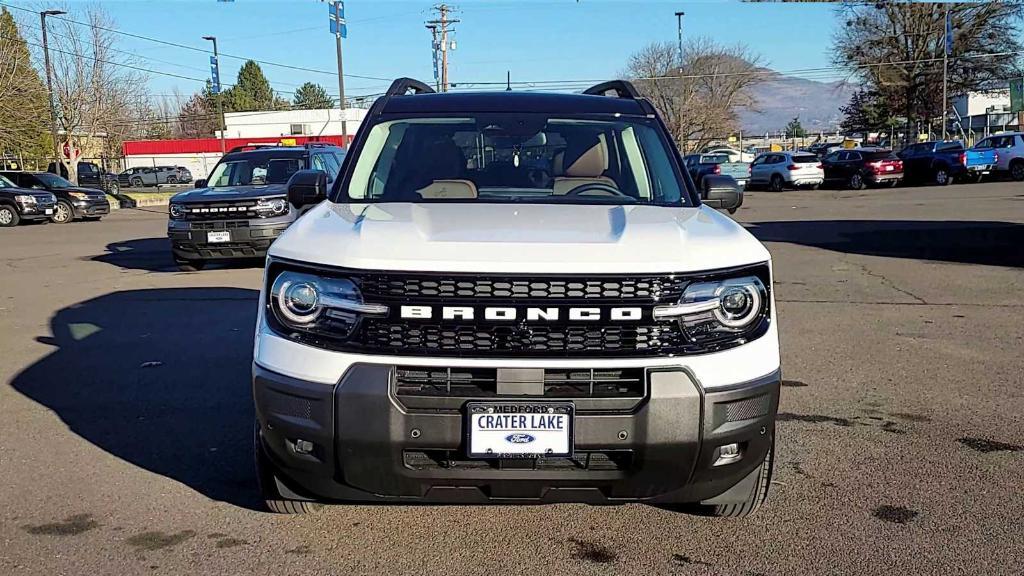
column 244, row 241
column 91, row 208
column 367, row 446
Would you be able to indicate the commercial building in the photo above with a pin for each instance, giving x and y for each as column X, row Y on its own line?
column 984, row 113
column 200, row 155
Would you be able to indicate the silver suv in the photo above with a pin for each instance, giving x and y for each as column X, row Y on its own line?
column 780, row 170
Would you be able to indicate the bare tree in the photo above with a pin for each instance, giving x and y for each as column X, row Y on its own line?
column 699, row 91
column 97, row 94
column 896, row 48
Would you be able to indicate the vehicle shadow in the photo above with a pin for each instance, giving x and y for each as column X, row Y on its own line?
column 967, row 242
column 161, row 379
column 154, row 255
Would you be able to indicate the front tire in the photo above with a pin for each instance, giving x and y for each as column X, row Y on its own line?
column 63, row 212
column 267, row 483
column 754, row 500
column 776, row 184
column 136, row 183
column 9, row 216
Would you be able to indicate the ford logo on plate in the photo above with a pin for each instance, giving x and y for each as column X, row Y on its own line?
column 519, row 438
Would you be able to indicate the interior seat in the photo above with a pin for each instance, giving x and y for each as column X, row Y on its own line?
column 585, row 163
column 448, row 189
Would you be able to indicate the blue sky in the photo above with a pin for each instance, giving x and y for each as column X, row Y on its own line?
column 535, row 40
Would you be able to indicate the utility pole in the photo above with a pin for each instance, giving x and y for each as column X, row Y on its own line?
column 947, row 48
column 443, row 23
column 215, row 70
column 679, row 30
column 434, row 47
column 49, row 86
column 339, row 29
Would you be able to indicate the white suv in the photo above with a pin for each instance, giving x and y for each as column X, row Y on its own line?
column 514, row 297
column 780, row 170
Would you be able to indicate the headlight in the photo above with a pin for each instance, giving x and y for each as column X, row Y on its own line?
column 79, row 195
column 309, row 305
column 176, row 211
column 710, row 309
column 272, row 207
column 25, row 199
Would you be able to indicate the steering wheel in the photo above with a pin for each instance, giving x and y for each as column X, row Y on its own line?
column 599, row 188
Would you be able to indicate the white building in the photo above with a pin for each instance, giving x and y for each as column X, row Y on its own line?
column 985, row 112
column 285, row 123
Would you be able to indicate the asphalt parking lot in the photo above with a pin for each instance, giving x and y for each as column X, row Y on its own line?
column 125, row 414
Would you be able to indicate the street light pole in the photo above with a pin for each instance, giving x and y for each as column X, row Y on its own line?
column 49, row 86
column 945, row 73
column 341, row 74
column 220, row 97
column 679, row 30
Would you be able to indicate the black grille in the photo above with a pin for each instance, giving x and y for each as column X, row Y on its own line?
column 483, row 383
column 221, row 210
column 596, row 461
column 648, row 288
column 557, row 340
column 222, row 225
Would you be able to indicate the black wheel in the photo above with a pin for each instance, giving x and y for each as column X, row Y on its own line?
column 63, row 212
column 892, row 183
column 8, row 216
column 942, row 177
column 190, row 265
column 136, row 182
column 1017, row 170
column 776, row 184
column 268, row 485
column 172, row 180
column 113, row 188
column 856, row 182
column 814, row 186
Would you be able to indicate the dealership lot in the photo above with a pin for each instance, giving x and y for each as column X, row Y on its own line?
column 125, row 413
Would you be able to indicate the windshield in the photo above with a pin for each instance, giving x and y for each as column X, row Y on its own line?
column 254, row 171
column 53, row 181
column 714, row 159
column 515, row 158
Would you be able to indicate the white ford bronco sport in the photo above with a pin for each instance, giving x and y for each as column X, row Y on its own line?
column 511, row 298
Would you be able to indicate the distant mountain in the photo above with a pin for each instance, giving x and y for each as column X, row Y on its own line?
column 779, row 98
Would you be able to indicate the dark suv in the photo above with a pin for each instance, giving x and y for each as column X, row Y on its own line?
column 243, row 206
column 73, row 202
column 17, row 204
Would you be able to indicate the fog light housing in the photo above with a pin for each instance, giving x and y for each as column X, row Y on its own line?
column 728, row 454
column 302, row 446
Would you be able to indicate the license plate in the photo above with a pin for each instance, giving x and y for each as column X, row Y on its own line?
column 49, row 211
column 889, row 168
column 519, row 429
column 218, row 236
column 741, row 182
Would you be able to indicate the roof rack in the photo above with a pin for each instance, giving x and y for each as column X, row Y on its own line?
column 401, row 86
column 261, row 145
column 622, row 89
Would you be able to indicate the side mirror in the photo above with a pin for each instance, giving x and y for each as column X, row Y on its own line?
column 722, row 192
column 307, row 187
column 201, row 183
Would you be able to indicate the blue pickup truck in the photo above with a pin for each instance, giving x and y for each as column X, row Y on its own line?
column 941, row 162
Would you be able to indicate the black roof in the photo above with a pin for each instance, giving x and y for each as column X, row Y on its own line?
column 280, row 151
column 505, row 101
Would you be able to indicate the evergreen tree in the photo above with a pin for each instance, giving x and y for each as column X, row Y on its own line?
column 312, row 96
column 794, row 129
column 24, row 111
column 251, row 92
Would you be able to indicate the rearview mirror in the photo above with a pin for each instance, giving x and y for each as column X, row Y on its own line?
column 307, row 187
column 722, row 192
column 201, row 183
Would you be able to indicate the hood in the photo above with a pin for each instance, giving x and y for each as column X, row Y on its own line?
column 89, row 191
column 38, row 194
column 225, row 193
column 518, row 238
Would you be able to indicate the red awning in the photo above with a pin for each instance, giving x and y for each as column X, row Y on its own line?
column 199, row 145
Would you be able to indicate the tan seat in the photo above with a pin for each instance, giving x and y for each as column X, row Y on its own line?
column 588, row 168
column 445, row 189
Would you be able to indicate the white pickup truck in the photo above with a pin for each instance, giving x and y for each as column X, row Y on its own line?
column 513, row 297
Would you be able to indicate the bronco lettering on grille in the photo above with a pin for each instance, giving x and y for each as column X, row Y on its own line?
column 510, row 313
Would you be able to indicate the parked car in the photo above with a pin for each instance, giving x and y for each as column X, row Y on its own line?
column 858, row 168
column 733, row 154
column 822, row 149
column 90, row 175
column 442, row 329
column 243, row 208
column 19, row 204
column 153, row 176
column 73, row 202
column 780, row 170
column 942, row 162
column 701, row 165
column 1009, row 149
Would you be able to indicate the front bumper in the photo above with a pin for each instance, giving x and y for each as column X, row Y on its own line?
column 371, row 445
column 247, row 238
column 37, row 211
column 91, row 208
